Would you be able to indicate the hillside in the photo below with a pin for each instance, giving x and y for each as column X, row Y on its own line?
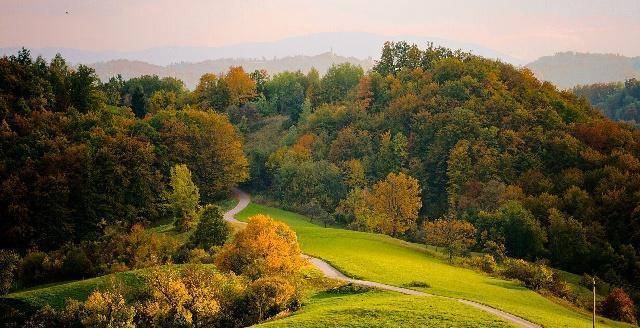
column 569, row 69
column 190, row 73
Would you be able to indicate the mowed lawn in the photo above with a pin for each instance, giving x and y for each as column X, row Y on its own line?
column 385, row 309
column 384, row 259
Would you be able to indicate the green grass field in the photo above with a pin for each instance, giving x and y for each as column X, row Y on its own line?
column 384, row 259
column 385, row 309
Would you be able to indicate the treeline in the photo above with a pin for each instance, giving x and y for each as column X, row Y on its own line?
column 71, row 164
column 618, row 101
column 436, row 134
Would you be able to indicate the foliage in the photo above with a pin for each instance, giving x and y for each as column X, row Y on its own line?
column 107, row 309
column 264, row 247
column 456, row 236
column 211, row 230
column 618, row 101
column 206, row 143
column 619, row 306
column 184, row 197
column 399, row 263
column 9, row 265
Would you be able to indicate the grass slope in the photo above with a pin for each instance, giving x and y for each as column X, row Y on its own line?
column 385, row 309
column 384, row 259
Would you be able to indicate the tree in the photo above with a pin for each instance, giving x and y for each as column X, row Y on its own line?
column 339, row 80
column 208, row 142
column 265, row 247
column 524, row 237
column 456, row 236
column 138, row 102
column 458, row 170
column 241, row 87
column 395, row 202
column 619, row 306
column 107, row 309
column 186, row 298
column 211, row 230
column 183, row 198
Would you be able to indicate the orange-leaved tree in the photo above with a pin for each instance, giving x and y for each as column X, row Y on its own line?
column 241, row 87
column 264, row 248
column 394, row 204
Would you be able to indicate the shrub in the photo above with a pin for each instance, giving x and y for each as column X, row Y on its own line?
column 420, row 284
column 9, row 264
column 485, row 263
column 497, row 250
column 211, row 230
column 106, row 309
column 269, row 296
column 265, row 247
column 532, row 275
column 619, row 306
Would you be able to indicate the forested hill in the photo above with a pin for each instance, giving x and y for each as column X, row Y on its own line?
column 618, row 101
column 190, row 73
column 569, row 69
column 538, row 172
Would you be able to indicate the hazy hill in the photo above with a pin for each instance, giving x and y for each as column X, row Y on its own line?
column 190, row 72
column 348, row 44
column 568, row 69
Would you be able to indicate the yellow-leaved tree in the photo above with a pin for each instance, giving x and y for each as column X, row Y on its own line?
column 264, row 248
column 394, row 204
column 241, row 87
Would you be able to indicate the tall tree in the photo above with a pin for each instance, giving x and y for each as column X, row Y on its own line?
column 184, row 197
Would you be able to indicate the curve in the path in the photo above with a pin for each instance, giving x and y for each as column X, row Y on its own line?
column 329, row 271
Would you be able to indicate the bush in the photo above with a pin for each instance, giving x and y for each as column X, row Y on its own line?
column 265, row 247
column 619, row 306
column 485, row 263
column 211, row 230
column 532, row 275
column 269, row 296
column 105, row 310
column 9, row 264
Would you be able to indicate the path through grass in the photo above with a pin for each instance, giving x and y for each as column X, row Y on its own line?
column 387, row 260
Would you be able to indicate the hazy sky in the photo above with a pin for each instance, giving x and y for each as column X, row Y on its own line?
column 524, row 29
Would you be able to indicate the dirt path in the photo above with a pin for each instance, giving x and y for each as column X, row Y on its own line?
column 329, row 271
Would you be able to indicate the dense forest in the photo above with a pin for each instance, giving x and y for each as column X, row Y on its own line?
column 424, row 138
column 538, row 172
column 618, row 101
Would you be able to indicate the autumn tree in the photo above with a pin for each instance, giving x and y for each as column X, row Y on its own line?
column 456, row 236
column 619, row 306
column 184, row 197
column 394, row 204
column 265, row 247
column 185, row 298
column 208, row 142
column 107, row 309
column 241, row 87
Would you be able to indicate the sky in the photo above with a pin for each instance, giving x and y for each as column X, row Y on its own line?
column 523, row 29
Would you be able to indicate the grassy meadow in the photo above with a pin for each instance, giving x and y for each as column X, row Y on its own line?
column 384, row 259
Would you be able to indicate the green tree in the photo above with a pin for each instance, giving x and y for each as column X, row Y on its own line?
column 211, row 230
column 523, row 234
column 183, row 198
column 138, row 102
column 339, row 80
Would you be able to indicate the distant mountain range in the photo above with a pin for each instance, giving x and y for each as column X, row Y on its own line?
column 320, row 50
column 348, row 44
column 190, row 72
column 568, row 69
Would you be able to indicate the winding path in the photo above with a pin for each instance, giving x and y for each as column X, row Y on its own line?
column 244, row 199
